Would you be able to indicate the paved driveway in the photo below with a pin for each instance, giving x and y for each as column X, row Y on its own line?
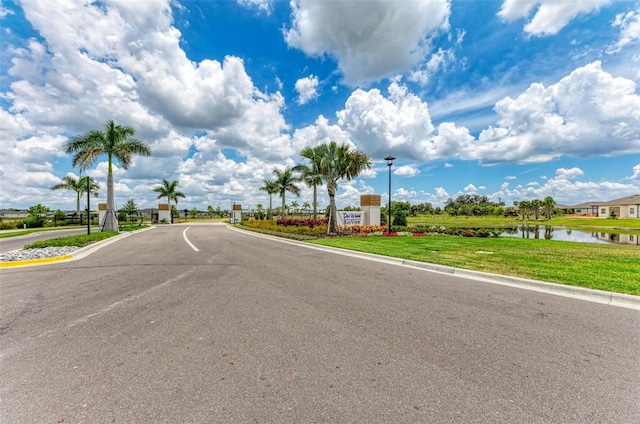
column 13, row 243
column 202, row 324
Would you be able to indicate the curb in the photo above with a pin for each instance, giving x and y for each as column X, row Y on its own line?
column 580, row 293
column 79, row 254
column 27, row 262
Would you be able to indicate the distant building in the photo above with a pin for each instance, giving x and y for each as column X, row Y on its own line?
column 13, row 213
column 625, row 207
column 586, row 208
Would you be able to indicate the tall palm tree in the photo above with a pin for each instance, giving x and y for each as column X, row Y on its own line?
column 310, row 174
column 549, row 204
column 306, row 206
column 271, row 188
column 535, row 205
column 336, row 162
column 79, row 185
column 286, row 181
column 117, row 142
column 170, row 191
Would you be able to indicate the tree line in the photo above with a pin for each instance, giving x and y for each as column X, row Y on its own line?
column 323, row 164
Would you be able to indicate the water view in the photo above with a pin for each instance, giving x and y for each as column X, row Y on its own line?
column 548, row 232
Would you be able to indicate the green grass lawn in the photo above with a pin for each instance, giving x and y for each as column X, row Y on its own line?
column 79, row 241
column 613, row 268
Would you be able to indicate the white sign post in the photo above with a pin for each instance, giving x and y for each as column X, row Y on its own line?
column 236, row 213
column 164, row 212
column 370, row 205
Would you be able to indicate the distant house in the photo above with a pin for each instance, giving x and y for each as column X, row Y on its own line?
column 625, row 207
column 586, row 208
column 13, row 214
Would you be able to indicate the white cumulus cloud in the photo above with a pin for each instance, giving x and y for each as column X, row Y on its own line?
column 369, row 40
column 636, row 173
column 262, row 5
column 549, row 16
column 307, row 89
column 587, row 113
column 400, row 123
column 629, row 25
column 568, row 174
column 406, row 171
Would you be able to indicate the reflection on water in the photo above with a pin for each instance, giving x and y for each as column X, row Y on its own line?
column 549, row 232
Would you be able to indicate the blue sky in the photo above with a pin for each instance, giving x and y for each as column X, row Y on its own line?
column 511, row 99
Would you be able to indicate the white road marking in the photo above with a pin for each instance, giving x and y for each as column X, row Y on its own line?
column 184, row 234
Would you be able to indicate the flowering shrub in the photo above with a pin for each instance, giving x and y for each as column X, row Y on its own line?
column 362, row 229
column 292, row 222
column 272, row 226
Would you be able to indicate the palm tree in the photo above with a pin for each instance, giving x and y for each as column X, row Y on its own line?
column 310, row 174
column 306, row 206
column 295, row 205
column 258, row 211
column 549, row 204
column 286, row 181
column 535, row 204
column 117, row 142
column 170, row 191
column 130, row 208
column 523, row 207
column 271, row 188
column 79, row 186
column 335, row 163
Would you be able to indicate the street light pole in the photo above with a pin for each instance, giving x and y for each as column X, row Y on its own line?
column 389, row 160
column 88, row 205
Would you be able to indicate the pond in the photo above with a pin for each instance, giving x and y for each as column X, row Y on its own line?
column 569, row 234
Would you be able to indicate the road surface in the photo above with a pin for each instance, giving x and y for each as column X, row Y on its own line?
column 13, row 243
column 203, row 324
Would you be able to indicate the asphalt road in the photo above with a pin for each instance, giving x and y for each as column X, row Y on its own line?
column 244, row 329
column 13, row 243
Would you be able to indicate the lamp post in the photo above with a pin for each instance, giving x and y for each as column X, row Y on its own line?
column 389, row 160
column 88, row 205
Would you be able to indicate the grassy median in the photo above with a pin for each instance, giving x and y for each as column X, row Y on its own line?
column 613, row 268
column 79, row 240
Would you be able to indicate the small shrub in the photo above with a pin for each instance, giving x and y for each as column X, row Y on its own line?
column 10, row 225
column 399, row 218
column 34, row 222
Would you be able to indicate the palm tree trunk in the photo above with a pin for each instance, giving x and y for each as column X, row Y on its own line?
column 315, row 202
column 77, row 204
column 332, row 227
column 270, row 208
column 284, row 211
column 111, row 220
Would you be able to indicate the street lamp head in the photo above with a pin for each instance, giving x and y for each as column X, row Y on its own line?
column 389, row 160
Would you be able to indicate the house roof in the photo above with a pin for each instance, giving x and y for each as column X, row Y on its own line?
column 586, row 205
column 562, row 206
column 634, row 199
